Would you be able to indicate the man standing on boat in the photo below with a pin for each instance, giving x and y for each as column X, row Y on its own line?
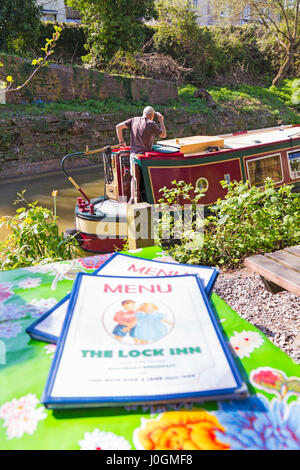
column 143, row 130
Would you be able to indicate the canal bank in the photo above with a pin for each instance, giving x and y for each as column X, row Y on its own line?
column 32, row 145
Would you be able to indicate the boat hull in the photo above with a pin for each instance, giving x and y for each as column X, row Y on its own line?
column 211, row 168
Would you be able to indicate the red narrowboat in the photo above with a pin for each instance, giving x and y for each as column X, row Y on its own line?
column 204, row 161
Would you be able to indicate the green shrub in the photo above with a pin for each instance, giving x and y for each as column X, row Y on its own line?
column 113, row 25
column 19, row 25
column 229, row 54
column 34, row 237
column 249, row 220
column 70, row 47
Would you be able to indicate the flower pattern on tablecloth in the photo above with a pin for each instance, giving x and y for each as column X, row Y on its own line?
column 50, row 268
column 12, row 312
column 5, row 291
column 243, row 343
column 276, row 382
column 181, row 430
column 94, row 262
column 50, row 349
column 9, row 329
column 101, row 440
column 42, row 306
column 21, row 416
column 257, row 424
column 29, row 283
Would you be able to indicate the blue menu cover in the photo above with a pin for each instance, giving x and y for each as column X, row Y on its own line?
column 131, row 340
column 48, row 327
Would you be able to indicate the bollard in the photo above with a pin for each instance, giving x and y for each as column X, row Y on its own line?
column 139, row 222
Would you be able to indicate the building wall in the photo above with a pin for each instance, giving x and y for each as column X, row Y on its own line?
column 207, row 17
column 204, row 12
column 55, row 5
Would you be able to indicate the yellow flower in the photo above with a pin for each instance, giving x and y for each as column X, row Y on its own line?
column 9, row 78
column 181, row 430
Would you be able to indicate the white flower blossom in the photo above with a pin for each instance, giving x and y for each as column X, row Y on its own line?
column 29, row 283
column 50, row 349
column 21, row 416
column 101, row 440
column 243, row 343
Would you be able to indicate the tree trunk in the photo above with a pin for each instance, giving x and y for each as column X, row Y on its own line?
column 285, row 67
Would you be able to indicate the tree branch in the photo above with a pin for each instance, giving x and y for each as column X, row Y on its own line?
column 285, row 17
column 296, row 18
column 262, row 17
column 41, row 62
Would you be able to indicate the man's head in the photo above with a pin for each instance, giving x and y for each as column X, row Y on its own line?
column 149, row 112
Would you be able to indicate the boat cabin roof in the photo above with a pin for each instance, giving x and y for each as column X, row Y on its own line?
column 260, row 137
column 188, row 145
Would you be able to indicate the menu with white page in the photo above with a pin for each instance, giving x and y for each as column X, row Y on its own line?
column 48, row 327
column 140, row 340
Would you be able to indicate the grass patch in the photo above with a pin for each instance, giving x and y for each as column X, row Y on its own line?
column 282, row 103
column 112, row 105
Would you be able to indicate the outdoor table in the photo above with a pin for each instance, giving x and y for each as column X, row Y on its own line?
column 268, row 420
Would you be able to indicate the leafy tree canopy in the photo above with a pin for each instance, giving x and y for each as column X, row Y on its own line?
column 19, row 24
column 176, row 29
column 113, row 25
column 280, row 17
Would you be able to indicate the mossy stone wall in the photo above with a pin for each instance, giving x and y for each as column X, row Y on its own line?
column 55, row 83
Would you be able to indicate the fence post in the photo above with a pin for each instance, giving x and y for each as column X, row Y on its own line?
column 139, row 222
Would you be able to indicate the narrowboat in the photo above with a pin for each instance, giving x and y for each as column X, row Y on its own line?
column 101, row 223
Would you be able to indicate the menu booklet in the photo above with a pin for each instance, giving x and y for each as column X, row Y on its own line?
column 140, row 340
column 48, row 327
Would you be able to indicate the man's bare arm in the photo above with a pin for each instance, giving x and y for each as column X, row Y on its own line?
column 119, row 131
column 160, row 118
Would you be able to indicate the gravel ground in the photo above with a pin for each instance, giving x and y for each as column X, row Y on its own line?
column 276, row 315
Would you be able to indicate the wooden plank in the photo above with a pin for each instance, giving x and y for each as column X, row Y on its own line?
column 286, row 259
column 275, row 272
column 197, row 143
column 294, row 250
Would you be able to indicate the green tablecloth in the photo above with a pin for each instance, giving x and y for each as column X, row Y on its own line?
column 268, row 419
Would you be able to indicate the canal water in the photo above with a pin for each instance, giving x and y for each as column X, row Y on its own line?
column 39, row 188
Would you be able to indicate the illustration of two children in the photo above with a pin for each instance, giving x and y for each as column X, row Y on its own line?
column 143, row 324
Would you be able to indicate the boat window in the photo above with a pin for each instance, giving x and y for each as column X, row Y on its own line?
column 202, row 183
column 266, row 167
column 294, row 163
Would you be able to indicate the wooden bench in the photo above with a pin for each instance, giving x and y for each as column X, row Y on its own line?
column 279, row 270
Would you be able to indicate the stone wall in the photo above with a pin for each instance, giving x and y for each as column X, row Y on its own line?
column 33, row 145
column 64, row 83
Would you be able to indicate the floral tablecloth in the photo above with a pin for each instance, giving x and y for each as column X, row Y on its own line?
column 269, row 419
